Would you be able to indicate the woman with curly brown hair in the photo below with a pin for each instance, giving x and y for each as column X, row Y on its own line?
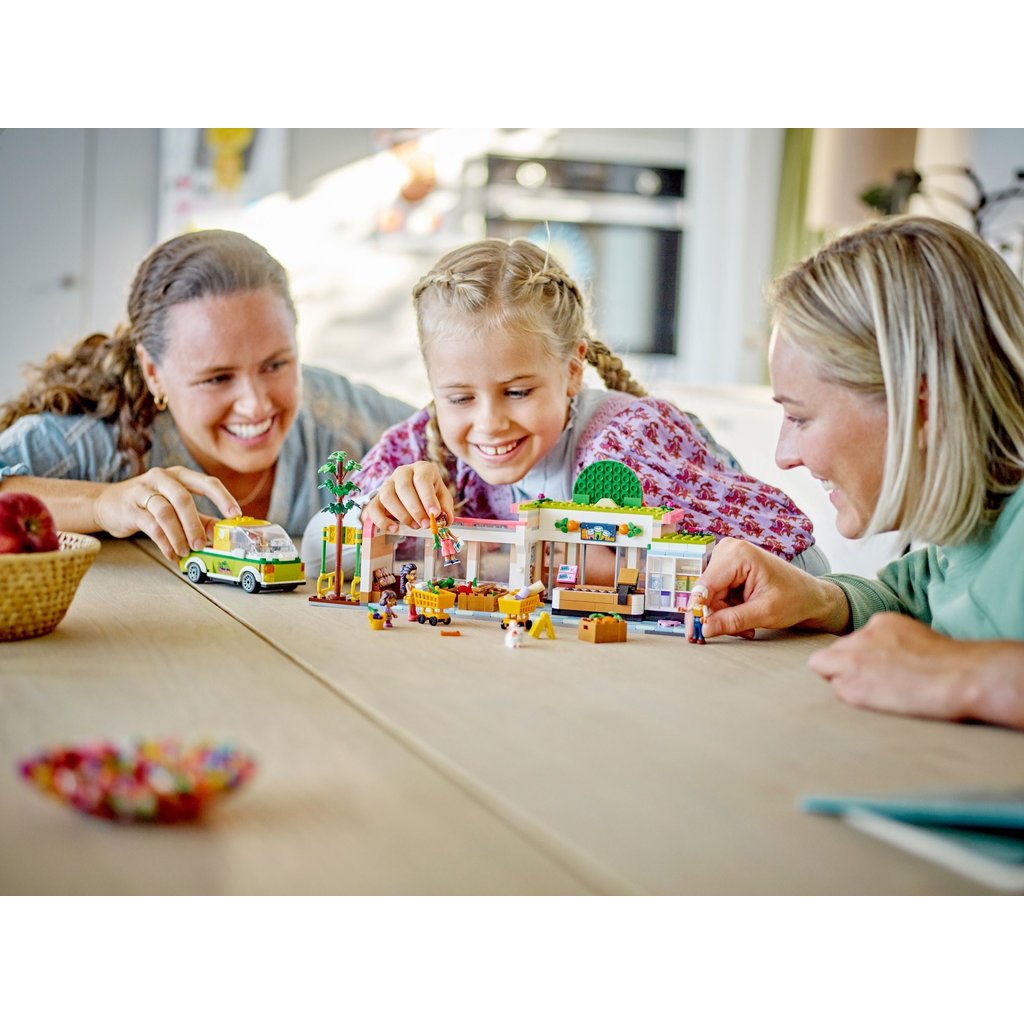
column 197, row 404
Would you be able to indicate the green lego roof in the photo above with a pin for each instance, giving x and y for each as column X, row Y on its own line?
column 608, row 479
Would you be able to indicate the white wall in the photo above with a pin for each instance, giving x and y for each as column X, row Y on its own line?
column 734, row 176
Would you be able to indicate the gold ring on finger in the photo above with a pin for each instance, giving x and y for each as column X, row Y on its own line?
column 145, row 504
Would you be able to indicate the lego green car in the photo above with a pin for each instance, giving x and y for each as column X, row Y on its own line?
column 255, row 554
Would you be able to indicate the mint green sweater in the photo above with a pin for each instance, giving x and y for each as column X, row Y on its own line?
column 974, row 591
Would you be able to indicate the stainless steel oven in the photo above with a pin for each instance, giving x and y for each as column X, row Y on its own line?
column 618, row 228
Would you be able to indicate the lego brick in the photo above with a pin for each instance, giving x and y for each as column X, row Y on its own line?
column 478, row 602
column 606, row 630
column 583, row 600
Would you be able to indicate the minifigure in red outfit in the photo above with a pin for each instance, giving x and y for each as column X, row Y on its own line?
column 444, row 539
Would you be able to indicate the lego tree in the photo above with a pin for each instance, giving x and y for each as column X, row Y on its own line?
column 337, row 467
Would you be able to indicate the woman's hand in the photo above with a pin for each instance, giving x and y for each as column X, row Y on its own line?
column 899, row 665
column 159, row 503
column 749, row 588
column 409, row 496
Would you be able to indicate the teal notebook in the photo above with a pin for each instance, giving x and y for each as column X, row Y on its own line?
column 978, row 833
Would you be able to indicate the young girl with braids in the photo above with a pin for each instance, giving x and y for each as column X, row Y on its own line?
column 199, row 396
column 505, row 341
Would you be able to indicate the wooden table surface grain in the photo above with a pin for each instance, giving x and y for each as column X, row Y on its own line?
column 336, row 805
column 406, row 761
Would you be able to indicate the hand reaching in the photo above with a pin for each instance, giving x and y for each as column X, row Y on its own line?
column 899, row 665
column 409, row 496
column 749, row 588
column 159, row 503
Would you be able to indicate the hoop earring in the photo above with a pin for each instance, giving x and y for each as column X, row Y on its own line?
column 160, row 401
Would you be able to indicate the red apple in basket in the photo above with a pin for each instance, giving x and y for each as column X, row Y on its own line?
column 25, row 524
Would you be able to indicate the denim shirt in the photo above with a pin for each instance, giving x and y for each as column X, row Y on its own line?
column 334, row 414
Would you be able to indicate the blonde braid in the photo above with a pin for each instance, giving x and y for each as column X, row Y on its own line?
column 553, row 275
column 463, row 289
column 609, row 366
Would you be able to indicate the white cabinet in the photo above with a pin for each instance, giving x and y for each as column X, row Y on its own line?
column 77, row 211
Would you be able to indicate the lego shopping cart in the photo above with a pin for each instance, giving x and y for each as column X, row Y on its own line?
column 431, row 603
column 518, row 609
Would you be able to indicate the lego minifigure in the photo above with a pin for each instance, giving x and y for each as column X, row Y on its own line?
column 387, row 608
column 698, row 606
column 444, row 539
column 407, row 580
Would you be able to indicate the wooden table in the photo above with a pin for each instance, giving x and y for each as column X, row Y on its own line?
column 409, row 762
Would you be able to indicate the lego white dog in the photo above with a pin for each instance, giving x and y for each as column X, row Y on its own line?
column 514, row 635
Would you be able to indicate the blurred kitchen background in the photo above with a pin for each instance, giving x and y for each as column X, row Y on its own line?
column 674, row 232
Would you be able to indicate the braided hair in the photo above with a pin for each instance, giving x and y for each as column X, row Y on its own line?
column 101, row 376
column 503, row 286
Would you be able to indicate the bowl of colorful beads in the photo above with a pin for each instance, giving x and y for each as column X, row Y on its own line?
column 143, row 781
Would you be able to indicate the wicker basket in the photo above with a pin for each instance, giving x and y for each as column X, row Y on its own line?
column 36, row 589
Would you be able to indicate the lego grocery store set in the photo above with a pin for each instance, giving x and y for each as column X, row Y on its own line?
column 550, row 541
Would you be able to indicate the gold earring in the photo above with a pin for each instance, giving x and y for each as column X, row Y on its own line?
column 160, row 401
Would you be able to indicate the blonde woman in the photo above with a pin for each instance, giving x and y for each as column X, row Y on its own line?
column 898, row 359
column 200, row 395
